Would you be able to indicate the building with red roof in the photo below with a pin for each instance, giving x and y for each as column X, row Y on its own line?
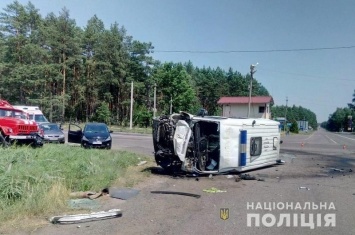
column 260, row 106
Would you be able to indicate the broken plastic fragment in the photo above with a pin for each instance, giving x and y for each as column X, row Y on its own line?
column 302, row 187
column 279, row 161
column 141, row 163
column 336, row 169
column 78, row 218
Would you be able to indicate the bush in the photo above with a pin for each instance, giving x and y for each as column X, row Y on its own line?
column 294, row 127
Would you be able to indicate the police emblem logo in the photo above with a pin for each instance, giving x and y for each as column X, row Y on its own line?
column 224, row 213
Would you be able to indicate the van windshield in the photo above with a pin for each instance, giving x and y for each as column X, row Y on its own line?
column 40, row 118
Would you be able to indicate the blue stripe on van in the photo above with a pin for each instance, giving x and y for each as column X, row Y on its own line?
column 243, row 147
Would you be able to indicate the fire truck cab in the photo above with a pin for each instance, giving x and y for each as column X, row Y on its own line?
column 15, row 127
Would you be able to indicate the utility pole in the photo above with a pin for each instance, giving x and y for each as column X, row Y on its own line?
column 155, row 99
column 251, row 84
column 130, row 118
column 286, row 114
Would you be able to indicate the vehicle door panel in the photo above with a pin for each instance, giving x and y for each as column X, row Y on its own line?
column 75, row 134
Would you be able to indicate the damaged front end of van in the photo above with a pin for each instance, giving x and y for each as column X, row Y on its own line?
column 182, row 142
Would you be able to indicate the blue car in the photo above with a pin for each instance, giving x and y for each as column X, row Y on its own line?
column 93, row 135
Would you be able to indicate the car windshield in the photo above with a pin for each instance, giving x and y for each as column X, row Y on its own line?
column 96, row 128
column 50, row 127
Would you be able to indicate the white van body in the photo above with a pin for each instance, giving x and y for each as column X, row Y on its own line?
column 214, row 144
column 34, row 113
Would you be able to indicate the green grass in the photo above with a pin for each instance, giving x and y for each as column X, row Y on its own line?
column 37, row 182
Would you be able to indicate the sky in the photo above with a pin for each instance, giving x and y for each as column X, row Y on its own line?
column 305, row 50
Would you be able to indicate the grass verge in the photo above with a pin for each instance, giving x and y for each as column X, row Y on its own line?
column 36, row 183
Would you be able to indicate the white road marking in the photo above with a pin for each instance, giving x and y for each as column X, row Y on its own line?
column 345, row 137
column 331, row 139
column 309, row 136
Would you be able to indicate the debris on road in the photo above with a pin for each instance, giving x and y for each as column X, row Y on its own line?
column 214, row 190
column 123, row 193
column 81, row 194
column 280, row 161
column 83, row 203
column 247, row 177
column 302, row 187
column 141, row 163
column 336, row 169
column 177, row 193
column 80, row 218
column 229, row 176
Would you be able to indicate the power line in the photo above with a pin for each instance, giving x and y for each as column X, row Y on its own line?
column 255, row 51
column 309, row 76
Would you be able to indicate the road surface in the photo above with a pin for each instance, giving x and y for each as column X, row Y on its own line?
column 317, row 176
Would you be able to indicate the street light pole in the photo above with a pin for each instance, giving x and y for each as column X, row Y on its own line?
column 251, row 84
column 131, row 111
column 286, row 114
column 155, row 99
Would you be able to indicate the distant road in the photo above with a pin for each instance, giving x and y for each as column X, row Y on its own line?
column 138, row 143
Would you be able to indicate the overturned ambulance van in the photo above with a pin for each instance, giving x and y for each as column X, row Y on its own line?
column 214, row 144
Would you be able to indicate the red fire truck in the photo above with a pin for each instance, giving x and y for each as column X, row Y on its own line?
column 16, row 128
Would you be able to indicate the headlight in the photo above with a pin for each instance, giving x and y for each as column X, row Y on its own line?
column 61, row 136
column 9, row 130
column 84, row 138
column 108, row 138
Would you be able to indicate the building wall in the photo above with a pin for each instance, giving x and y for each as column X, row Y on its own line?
column 241, row 110
column 302, row 125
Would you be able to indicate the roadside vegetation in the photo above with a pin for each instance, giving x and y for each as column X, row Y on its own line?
column 36, row 183
column 85, row 73
column 342, row 119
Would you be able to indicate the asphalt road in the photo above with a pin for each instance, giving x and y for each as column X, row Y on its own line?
column 318, row 170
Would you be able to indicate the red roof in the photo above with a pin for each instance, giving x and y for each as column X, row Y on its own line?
column 245, row 100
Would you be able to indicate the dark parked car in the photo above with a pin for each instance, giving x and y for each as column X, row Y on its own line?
column 52, row 133
column 94, row 135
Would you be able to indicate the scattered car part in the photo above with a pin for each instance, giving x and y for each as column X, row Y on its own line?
column 336, row 169
column 302, row 187
column 177, row 193
column 247, row 177
column 79, row 218
column 279, row 161
column 81, row 194
column 141, row 163
column 123, row 193
column 83, row 203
